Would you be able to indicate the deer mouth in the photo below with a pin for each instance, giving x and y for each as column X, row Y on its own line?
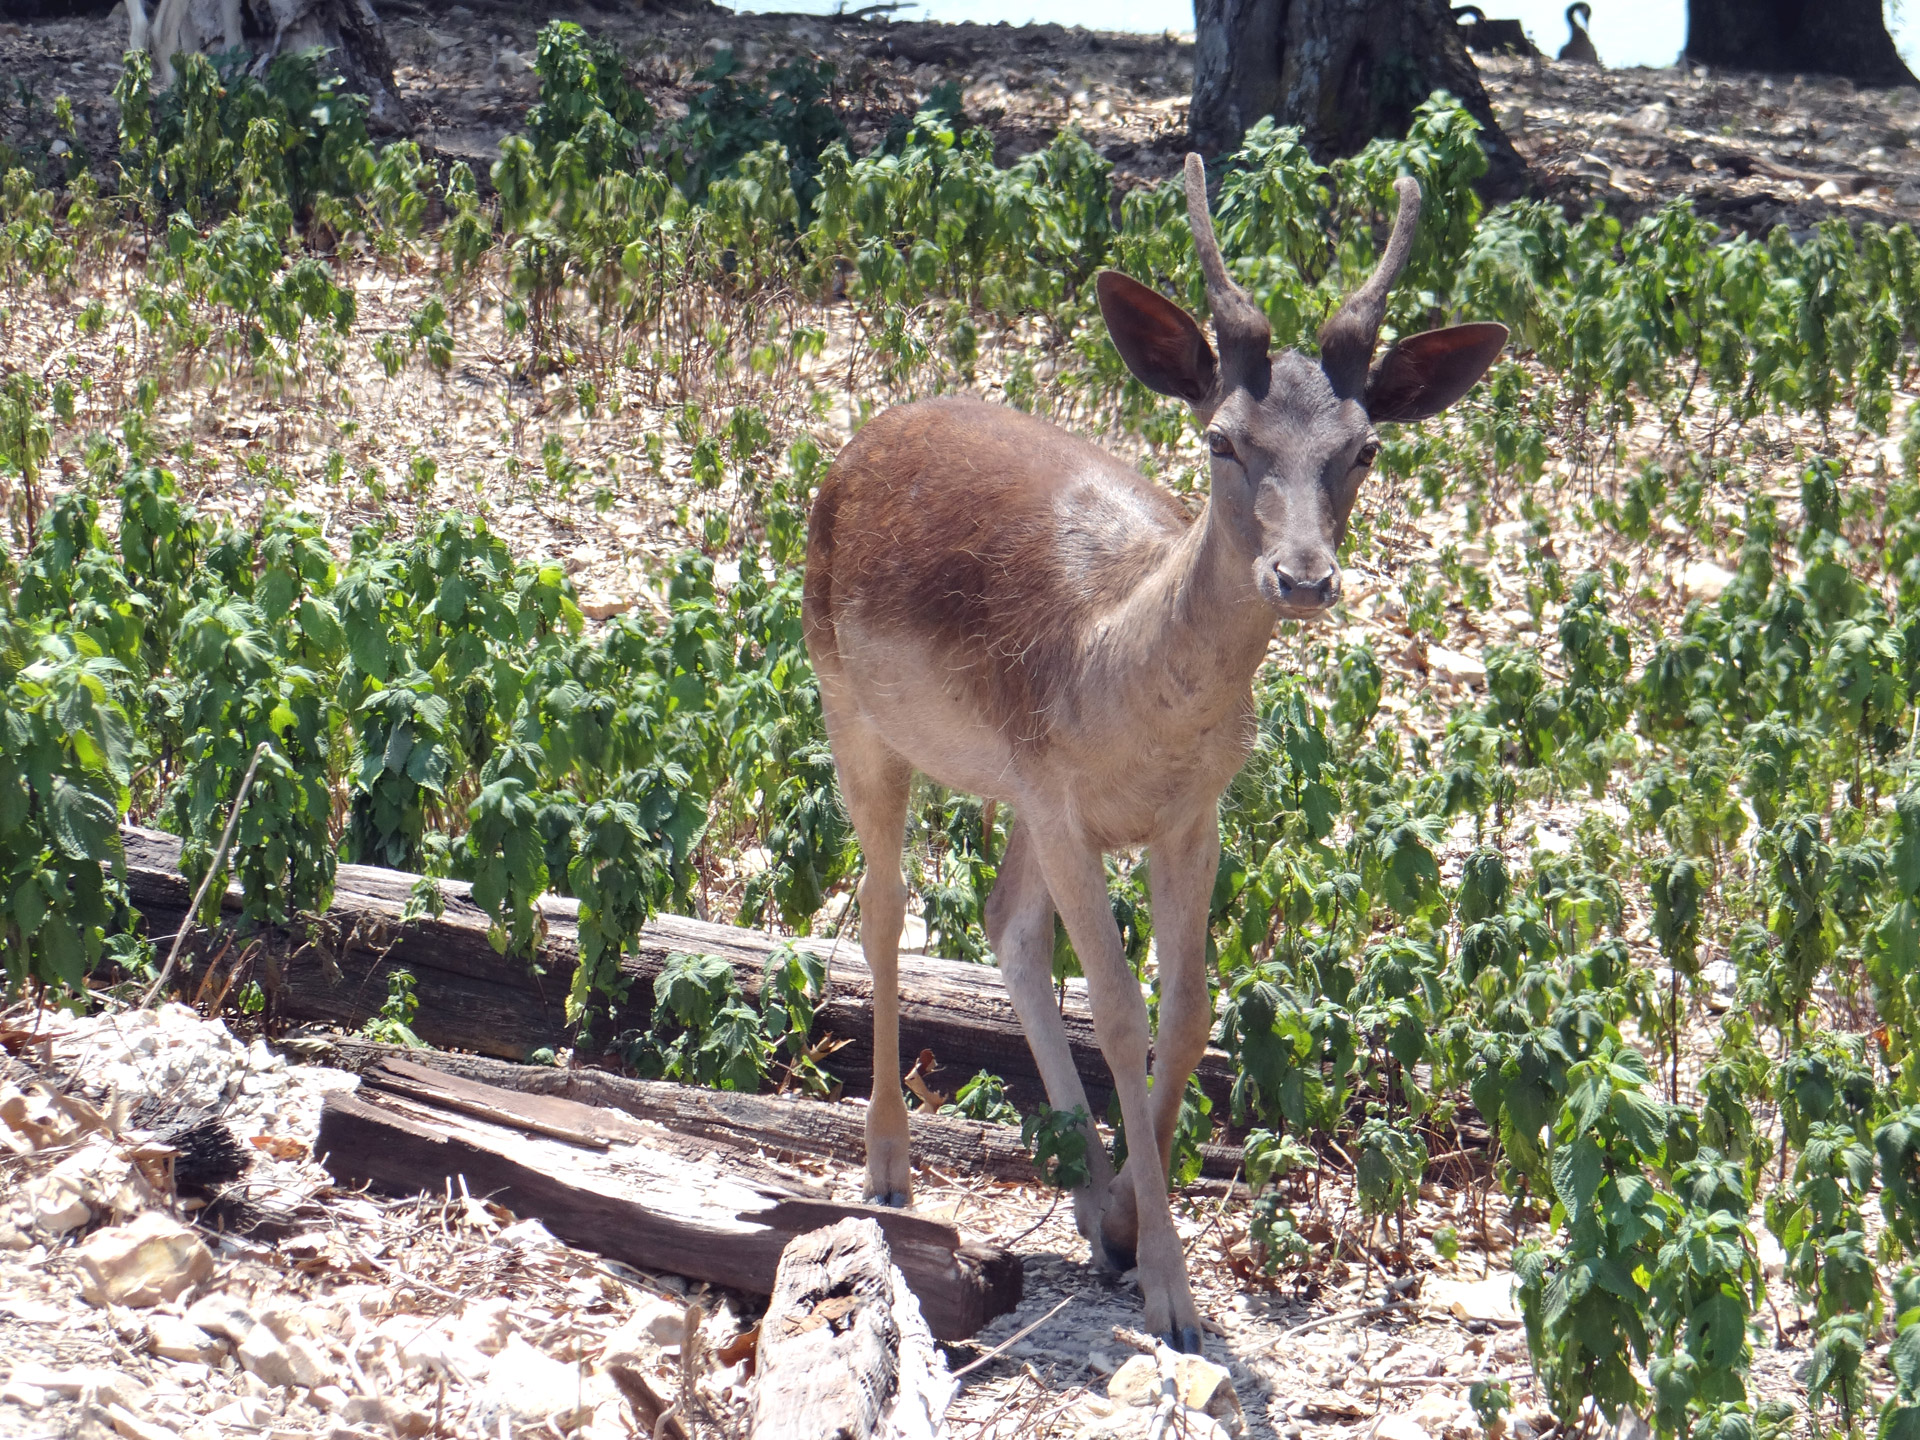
column 1296, row 600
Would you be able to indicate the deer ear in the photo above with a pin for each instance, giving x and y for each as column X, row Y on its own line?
column 1160, row 342
column 1423, row 374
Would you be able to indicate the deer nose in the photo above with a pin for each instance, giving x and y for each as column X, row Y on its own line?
column 1308, row 594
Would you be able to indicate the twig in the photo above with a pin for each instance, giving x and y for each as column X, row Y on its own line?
column 1038, row 1223
column 1362, row 1313
column 1011, row 1340
column 1402, row 1381
column 220, row 854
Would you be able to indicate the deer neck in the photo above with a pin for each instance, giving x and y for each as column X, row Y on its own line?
column 1202, row 624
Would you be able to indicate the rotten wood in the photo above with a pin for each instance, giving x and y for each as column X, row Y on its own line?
column 332, row 970
column 625, row 1190
column 844, row 1353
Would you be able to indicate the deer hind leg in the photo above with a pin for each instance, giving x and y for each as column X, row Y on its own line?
column 1180, row 880
column 874, row 781
column 1077, row 879
column 1020, row 929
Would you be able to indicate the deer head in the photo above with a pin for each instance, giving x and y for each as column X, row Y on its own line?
column 1291, row 438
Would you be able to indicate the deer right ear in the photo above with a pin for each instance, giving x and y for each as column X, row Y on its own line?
column 1161, row 343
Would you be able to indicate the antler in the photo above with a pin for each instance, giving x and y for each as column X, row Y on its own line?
column 1351, row 332
column 1239, row 326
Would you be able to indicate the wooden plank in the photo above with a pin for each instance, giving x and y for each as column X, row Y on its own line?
column 843, row 1355
column 635, row 1200
column 783, row 1126
column 334, row 972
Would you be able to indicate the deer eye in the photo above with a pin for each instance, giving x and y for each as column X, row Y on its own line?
column 1219, row 444
column 1369, row 452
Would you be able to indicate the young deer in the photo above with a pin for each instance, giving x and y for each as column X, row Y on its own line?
column 1010, row 610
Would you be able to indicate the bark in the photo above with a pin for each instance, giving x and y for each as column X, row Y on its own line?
column 334, row 972
column 604, row 1181
column 1344, row 71
column 1848, row 38
column 843, row 1350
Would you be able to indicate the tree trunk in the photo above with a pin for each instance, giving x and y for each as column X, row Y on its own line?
column 1344, row 71
column 1814, row 37
column 348, row 30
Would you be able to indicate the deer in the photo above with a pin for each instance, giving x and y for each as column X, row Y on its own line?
column 1015, row 613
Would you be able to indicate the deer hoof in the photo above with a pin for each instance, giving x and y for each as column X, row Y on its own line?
column 1183, row 1338
column 1112, row 1258
column 893, row 1200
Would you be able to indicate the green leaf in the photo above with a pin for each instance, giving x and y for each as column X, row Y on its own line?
column 1577, row 1172
column 1642, row 1120
column 84, row 823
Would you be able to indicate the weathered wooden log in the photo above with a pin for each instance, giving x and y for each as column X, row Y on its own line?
column 607, row 1182
column 781, row 1126
column 333, row 971
column 844, row 1353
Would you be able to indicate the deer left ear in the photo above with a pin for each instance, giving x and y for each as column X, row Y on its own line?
column 1423, row 374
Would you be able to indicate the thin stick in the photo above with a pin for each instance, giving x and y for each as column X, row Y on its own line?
column 1012, row 1339
column 220, row 854
column 1402, row 1381
column 1362, row 1313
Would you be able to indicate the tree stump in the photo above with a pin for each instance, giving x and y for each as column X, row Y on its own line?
column 844, row 1353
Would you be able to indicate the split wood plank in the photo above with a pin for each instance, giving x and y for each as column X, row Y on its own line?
column 781, row 1126
column 625, row 1191
column 333, row 971
column 844, row 1353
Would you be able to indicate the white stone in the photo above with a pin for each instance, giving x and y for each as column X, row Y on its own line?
column 57, row 1205
column 1455, row 668
column 264, row 1355
column 1828, row 190
column 1650, row 119
column 172, row 1338
column 222, row 1315
column 149, row 1259
column 137, row 1427
column 109, row 1387
column 27, row 1397
column 1135, row 1383
column 1704, row 580
column 530, row 1387
column 1490, row 1299
column 1399, row 1427
column 385, row 1413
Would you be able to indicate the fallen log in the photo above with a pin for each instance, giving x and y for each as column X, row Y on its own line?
column 844, row 1354
column 604, row 1181
column 333, row 969
column 780, row 1126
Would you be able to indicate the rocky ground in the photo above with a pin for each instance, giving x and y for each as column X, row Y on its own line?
column 294, row 1309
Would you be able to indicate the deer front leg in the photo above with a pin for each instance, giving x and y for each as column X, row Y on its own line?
column 1180, row 873
column 1078, row 882
column 1020, row 929
column 874, row 780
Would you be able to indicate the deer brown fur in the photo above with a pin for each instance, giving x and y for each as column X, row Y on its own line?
column 1015, row 613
